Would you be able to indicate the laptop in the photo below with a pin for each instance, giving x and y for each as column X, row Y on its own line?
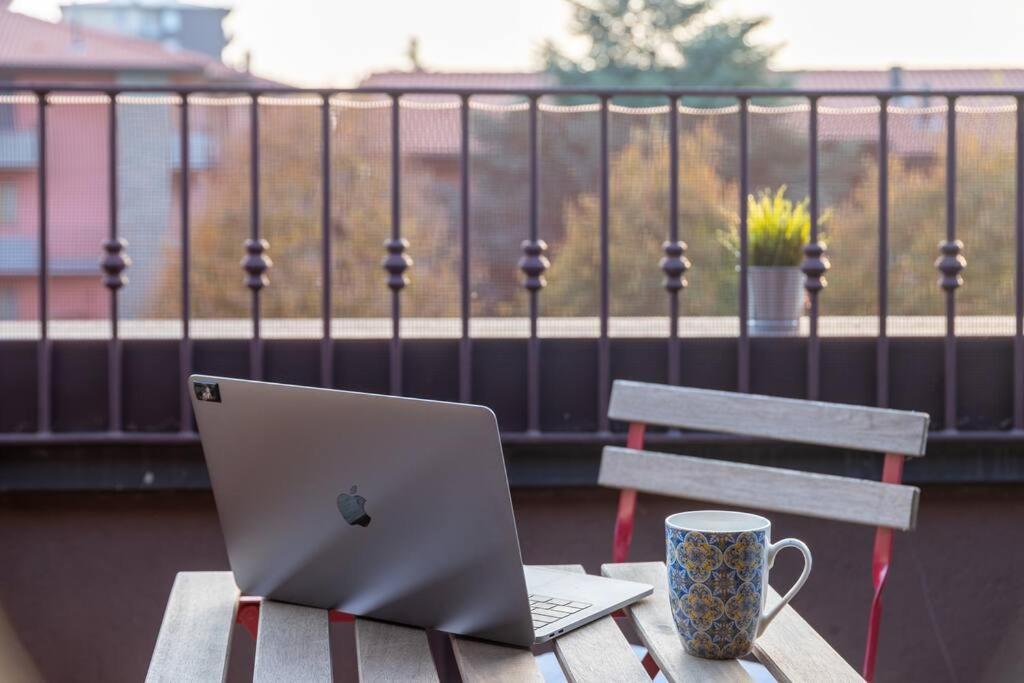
column 389, row 508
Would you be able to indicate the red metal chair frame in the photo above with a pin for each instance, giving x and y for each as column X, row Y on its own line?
column 892, row 473
column 249, row 615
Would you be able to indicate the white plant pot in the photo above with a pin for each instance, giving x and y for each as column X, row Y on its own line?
column 776, row 300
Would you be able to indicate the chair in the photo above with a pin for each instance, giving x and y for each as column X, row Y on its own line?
column 887, row 505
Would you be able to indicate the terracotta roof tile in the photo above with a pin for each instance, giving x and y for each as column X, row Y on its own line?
column 446, row 79
column 29, row 43
column 436, row 131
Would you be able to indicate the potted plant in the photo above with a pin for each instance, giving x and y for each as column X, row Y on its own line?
column 777, row 231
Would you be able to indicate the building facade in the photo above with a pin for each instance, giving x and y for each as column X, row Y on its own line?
column 38, row 52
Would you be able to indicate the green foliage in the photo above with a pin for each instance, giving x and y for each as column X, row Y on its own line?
column 777, row 229
column 638, row 224
column 917, row 222
column 660, row 43
column 290, row 222
column 570, row 218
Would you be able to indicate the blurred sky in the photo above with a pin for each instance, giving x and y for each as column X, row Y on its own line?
column 336, row 42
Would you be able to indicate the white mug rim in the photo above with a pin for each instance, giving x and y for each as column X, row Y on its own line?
column 677, row 521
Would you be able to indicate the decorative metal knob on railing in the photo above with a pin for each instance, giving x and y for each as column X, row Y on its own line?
column 114, row 263
column 950, row 264
column 674, row 264
column 256, row 264
column 534, row 264
column 815, row 265
column 396, row 263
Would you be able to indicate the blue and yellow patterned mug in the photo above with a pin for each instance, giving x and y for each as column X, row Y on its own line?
column 718, row 564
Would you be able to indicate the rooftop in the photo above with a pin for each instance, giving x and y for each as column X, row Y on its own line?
column 28, row 44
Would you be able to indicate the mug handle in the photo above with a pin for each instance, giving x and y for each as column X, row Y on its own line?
column 773, row 549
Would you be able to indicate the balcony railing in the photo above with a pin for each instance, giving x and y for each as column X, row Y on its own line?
column 524, row 350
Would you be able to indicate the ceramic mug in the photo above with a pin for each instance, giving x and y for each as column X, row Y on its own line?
column 718, row 564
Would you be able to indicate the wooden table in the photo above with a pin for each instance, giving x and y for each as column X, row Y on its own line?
column 292, row 643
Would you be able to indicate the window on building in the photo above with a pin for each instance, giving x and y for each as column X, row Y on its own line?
column 6, row 115
column 171, row 20
column 8, row 303
column 8, row 203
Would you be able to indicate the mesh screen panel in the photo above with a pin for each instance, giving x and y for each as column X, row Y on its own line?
column 149, row 212
column 149, row 177
column 499, row 212
column 360, row 206
column 19, row 216
column 917, row 213
column 985, row 216
column 570, row 217
column 430, row 210
column 290, row 203
column 708, row 206
column 220, row 201
column 77, row 158
column 848, row 209
column 639, row 205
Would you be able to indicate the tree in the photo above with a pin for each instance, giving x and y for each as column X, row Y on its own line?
column 638, row 226
column 412, row 53
column 917, row 219
column 652, row 43
column 290, row 206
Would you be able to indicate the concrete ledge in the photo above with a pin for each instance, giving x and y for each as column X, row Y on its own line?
column 638, row 327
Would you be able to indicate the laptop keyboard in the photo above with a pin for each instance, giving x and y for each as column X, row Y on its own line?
column 547, row 611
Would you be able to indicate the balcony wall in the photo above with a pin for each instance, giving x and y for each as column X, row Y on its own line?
column 89, row 574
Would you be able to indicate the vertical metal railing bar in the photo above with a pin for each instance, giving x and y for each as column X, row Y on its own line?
column 114, row 354
column 813, row 342
column 673, row 237
column 44, row 356
column 882, row 347
column 326, row 300
column 743, row 350
column 185, row 350
column 395, row 345
column 533, row 344
column 1018, row 339
column 256, row 343
column 603, row 342
column 950, row 341
column 465, row 294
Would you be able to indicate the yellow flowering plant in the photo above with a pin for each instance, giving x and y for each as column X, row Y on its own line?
column 777, row 229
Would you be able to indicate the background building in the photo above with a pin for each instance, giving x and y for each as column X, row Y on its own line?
column 72, row 52
column 173, row 24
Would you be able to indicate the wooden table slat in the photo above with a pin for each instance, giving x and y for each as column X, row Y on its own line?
column 389, row 652
column 794, row 652
column 598, row 651
column 652, row 618
column 292, row 644
column 195, row 635
column 483, row 662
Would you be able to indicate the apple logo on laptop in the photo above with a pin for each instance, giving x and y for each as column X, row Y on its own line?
column 352, row 507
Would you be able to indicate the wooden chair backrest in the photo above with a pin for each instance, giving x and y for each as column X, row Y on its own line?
column 768, row 488
column 814, row 422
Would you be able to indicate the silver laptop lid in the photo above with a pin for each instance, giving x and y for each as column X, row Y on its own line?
column 391, row 508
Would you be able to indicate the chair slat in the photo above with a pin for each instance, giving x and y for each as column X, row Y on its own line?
column 655, row 626
column 794, row 652
column 597, row 652
column 814, row 422
column 292, row 644
column 195, row 635
column 482, row 662
column 766, row 488
column 389, row 652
